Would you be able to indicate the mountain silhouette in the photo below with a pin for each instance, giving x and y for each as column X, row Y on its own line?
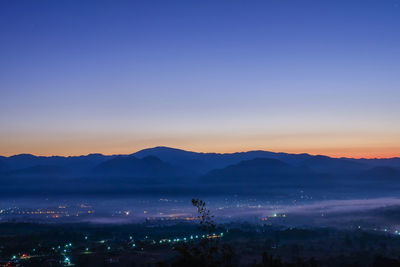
column 130, row 166
column 39, row 171
column 260, row 170
column 333, row 165
column 205, row 162
column 382, row 174
column 3, row 166
column 171, row 165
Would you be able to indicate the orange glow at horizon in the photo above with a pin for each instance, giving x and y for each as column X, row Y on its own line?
column 77, row 150
column 334, row 144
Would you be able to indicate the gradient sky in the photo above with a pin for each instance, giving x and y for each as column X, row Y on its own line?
column 79, row 77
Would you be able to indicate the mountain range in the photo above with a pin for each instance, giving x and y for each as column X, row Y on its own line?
column 170, row 165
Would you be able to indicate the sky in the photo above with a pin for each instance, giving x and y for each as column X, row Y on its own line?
column 114, row 77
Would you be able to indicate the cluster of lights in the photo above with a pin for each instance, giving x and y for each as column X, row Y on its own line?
column 67, row 260
column 184, row 239
column 396, row 232
column 23, row 256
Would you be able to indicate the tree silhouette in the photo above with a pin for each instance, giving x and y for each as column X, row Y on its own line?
column 208, row 251
column 204, row 215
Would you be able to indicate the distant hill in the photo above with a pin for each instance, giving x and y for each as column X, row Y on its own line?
column 167, row 164
column 3, row 166
column 38, row 171
column 260, row 170
column 382, row 174
column 205, row 162
column 75, row 164
column 193, row 161
column 199, row 163
column 333, row 165
column 130, row 166
column 392, row 162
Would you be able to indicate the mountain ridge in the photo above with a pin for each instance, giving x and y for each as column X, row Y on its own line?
column 195, row 152
column 173, row 162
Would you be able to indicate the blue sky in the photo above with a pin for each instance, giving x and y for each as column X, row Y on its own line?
column 116, row 76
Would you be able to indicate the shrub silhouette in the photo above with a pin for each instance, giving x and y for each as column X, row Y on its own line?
column 208, row 251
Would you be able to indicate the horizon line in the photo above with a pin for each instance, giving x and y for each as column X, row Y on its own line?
column 220, row 153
